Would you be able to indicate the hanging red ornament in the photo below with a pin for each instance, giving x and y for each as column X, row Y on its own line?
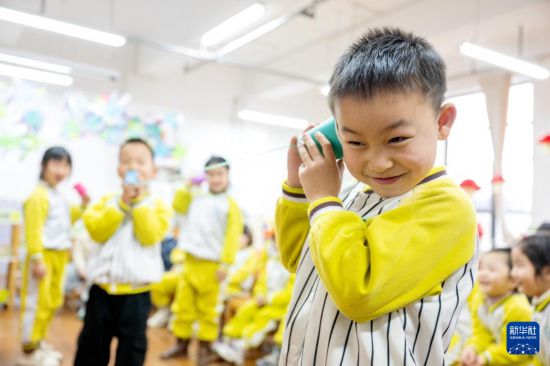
column 470, row 184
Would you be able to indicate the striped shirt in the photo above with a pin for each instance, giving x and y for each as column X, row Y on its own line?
column 318, row 333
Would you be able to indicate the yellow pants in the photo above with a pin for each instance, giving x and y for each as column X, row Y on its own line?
column 251, row 319
column 196, row 299
column 40, row 299
column 163, row 292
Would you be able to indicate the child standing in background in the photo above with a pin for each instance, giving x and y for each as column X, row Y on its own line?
column 497, row 305
column 531, row 260
column 127, row 259
column 210, row 240
column 48, row 220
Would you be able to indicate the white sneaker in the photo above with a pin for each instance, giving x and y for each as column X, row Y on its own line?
column 159, row 319
column 228, row 353
column 50, row 350
column 37, row 358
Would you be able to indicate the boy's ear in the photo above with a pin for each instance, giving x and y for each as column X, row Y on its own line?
column 445, row 120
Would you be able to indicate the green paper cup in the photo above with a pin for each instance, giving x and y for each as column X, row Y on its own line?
column 328, row 129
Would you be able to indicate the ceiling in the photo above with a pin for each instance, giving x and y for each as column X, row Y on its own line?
column 292, row 60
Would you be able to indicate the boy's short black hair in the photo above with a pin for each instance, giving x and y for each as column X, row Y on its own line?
column 216, row 160
column 537, row 248
column 138, row 140
column 389, row 60
column 55, row 153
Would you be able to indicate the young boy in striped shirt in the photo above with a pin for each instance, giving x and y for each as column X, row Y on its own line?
column 384, row 267
column 128, row 228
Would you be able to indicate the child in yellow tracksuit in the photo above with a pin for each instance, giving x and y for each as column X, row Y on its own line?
column 210, row 240
column 128, row 229
column 531, row 260
column 267, row 298
column 497, row 305
column 48, row 220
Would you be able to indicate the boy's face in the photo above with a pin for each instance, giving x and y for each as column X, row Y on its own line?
column 218, row 179
column 390, row 140
column 136, row 156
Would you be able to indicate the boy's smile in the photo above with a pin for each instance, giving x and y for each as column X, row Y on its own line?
column 390, row 139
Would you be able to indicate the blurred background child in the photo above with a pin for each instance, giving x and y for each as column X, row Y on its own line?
column 531, row 260
column 497, row 305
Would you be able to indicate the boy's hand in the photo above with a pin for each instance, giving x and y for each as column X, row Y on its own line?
column 320, row 174
column 469, row 357
column 294, row 161
column 38, row 269
column 85, row 200
column 221, row 273
column 129, row 193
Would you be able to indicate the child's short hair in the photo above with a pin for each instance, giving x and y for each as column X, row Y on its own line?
column 54, row 153
column 215, row 161
column 389, row 59
column 507, row 252
column 537, row 248
column 138, row 140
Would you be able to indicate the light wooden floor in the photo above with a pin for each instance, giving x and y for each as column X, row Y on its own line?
column 63, row 334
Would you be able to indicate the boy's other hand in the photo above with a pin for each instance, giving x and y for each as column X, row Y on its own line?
column 38, row 270
column 469, row 357
column 294, row 161
column 129, row 193
column 320, row 174
column 221, row 273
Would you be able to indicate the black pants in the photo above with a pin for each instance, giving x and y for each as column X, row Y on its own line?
column 108, row 316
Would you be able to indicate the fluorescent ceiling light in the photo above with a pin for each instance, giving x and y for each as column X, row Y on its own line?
column 325, row 90
column 60, row 27
column 252, row 35
column 34, row 63
column 233, row 25
column 504, row 61
column 273, row 119
column 35, row 75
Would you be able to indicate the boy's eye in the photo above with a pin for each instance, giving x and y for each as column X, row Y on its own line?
column 355, row 143
column 398, row 139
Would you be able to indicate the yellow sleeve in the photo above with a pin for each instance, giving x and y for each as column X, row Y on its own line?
column 516, row 309
column 182, row 200
column 233, row 232
column 103, row 219
column 291, row 226
column 282, row 297
column 430, row 235
column 76, row 213
column 151, row 222
column 249, row 267
column 35, row 211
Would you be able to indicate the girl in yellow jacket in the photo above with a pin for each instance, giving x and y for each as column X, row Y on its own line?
column 531, row 259
column 497, row 305
column 48, row 220
column 128, row 229
column 210, row 240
